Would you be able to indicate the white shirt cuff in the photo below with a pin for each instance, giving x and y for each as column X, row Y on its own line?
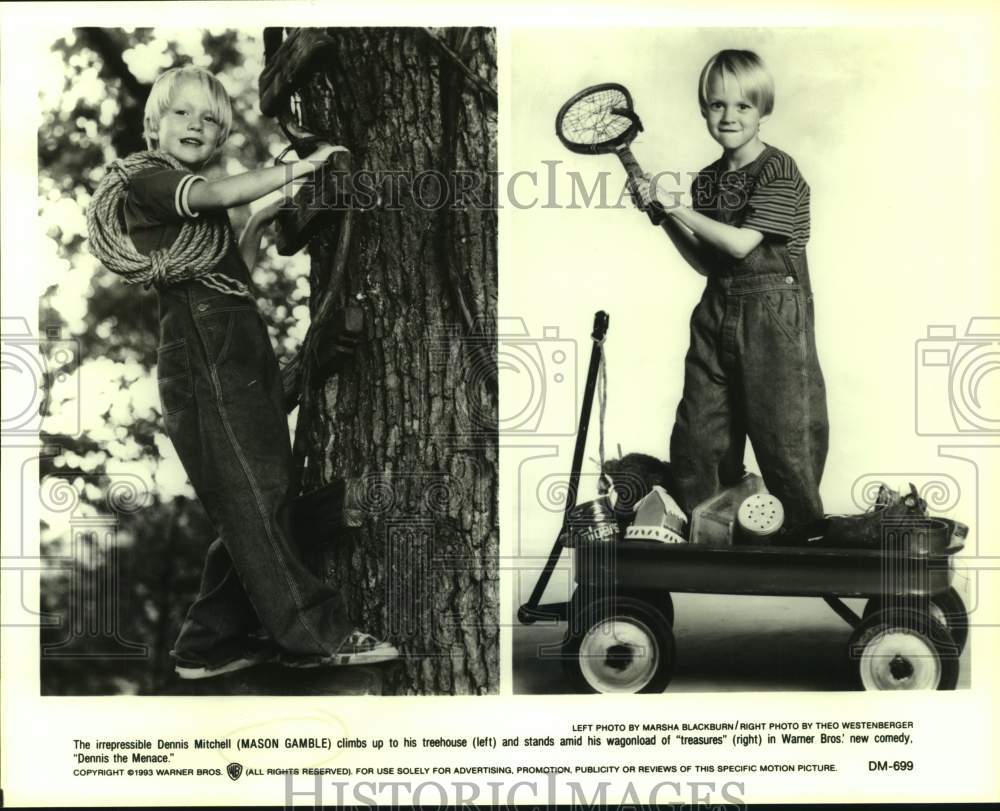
column 181, row 196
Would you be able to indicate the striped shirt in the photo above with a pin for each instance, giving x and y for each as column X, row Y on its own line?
column 768, row 195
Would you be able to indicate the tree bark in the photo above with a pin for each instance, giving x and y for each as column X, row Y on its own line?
column 411, row 422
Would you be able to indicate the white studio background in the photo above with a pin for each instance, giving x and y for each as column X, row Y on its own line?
column 889, row 126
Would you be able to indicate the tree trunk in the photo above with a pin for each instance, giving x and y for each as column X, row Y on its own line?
column 410, row 423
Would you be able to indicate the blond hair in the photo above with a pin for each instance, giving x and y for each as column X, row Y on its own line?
column 748, row 70
column 162, row 95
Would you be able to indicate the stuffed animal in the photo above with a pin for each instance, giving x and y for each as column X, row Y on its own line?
column 633, row 476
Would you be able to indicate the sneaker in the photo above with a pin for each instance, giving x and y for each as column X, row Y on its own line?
column 186, row 669
column 891, row 523
column 358, row 649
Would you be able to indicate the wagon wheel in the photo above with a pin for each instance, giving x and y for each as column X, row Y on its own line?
column 946, row 607
column 661, row 599
column 622, row 645
column 904, row 649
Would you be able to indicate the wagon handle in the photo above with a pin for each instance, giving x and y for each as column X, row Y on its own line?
column 528, row 613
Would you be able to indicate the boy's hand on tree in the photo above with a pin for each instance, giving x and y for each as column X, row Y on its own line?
column 323, row 153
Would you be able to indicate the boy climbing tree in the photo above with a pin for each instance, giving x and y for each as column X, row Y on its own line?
column 408, row 424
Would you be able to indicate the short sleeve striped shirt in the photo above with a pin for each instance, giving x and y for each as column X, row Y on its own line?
column 768, row 195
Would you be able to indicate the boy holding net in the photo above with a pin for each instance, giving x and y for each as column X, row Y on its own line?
column 220, row 388
column 752, row 368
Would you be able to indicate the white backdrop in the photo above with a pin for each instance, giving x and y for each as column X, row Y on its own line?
column 890, row 128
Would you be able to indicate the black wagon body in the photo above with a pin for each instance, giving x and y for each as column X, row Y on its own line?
column 620, row 616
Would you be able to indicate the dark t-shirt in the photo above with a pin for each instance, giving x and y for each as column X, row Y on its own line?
column 768, row 195
column 156, row 207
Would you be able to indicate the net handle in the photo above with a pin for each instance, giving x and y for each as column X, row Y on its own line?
column 654, row 208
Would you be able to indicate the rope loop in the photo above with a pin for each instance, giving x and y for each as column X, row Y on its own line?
column 197, row 251
column 159, row 261
column 121, row 175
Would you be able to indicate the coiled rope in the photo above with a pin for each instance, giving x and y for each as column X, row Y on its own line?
column 198, row 249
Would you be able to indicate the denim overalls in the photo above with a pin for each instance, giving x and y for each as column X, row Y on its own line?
column 221, row 397
column 752, row 371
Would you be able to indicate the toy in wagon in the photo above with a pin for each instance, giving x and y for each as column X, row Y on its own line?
column 633, row 546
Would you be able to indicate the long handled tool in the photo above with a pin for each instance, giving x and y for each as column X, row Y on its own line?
column 600, row 120
column 531, row 611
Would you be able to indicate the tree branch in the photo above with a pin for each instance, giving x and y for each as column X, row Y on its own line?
column 481, row 84
column 127, row 136
column 105, row 45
